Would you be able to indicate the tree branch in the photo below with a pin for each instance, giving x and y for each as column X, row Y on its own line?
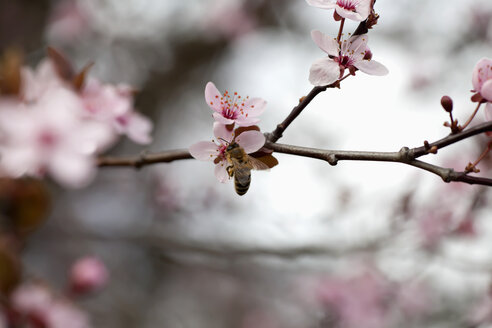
column 405, row 156
column 145, row 158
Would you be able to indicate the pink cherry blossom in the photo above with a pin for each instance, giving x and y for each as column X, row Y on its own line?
column 231, row 109
column 113, row 105
column 37, row 305
column 353, row 54
column 214, row 150
column 50, row 136
column 88, row 274
column 62, row 314
column 356, row 10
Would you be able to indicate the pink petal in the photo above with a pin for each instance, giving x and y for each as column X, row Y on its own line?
column 139, row 128
column 486, row 91
column 254, row 107
column 72, row 170
column 325, row 43
column 221, row 172
column 247, row 121
column 324, row 71
column 358, row 45
column 364, row 8
column 481, row 73
column 204, row 150
column 371, row 67
column 213, row 97
column 251, row 141
column 488, row 112
column 323, row 4
column 349, row 14
column 221, row 119
column 222, row 133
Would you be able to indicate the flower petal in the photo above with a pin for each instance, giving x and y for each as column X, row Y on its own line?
column 221, row 171
column 204, row 150
column 324, row 71
column 488, row 112
column 139, row 128
column 349, row 14
column 325, row 43
column 323, row 4
column 251, row 141
column 221, row 119
column 222, row 133
column 481, row 73
column 364, row 8
column 213, row 97
column 72, row 170
column 254, row 107
column 486, row 91
column 371, row 67
column 247, row 121
column 358, row 45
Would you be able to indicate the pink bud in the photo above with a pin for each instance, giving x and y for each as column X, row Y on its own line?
column 88, row 274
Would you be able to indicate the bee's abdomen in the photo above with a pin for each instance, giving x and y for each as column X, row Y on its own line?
column 242, row 187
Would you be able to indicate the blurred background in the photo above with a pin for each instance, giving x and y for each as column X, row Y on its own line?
column 310, row 245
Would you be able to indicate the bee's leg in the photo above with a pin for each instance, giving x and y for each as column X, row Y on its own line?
column 230, row 171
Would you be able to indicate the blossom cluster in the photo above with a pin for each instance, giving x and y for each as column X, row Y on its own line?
column 351, row 54
column 56, row 121
column 34, row 304
column 230, row 110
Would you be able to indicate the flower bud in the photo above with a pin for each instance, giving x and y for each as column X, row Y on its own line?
column 88, row 274
column 447, row 103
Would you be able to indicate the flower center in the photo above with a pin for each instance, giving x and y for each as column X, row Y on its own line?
column 344, row 61
column 232, row 106
column 47, row 139
column 348, row 4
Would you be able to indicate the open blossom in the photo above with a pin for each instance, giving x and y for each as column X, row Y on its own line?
column 214, row 150
column 50, row 136
column 231, row 109
column 37, row 306
column 114, row 105
column 353, row 54
column 356, row 10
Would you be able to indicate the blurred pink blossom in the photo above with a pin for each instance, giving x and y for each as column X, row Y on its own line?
column 229, row 19
column 113, row 105
column 231, row 109
column 88, row 274
column 433, row 226
column 49, row 136
column 37, row 306
column 352, row 54
column 62, row 314
column 357, row 302
column 250, row 141
column 356, row 10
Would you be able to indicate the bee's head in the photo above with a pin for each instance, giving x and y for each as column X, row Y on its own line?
column 232, row 146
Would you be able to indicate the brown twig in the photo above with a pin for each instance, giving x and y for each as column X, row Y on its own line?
column 403, row 156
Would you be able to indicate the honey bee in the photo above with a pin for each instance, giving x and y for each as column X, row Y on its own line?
column 240, row 166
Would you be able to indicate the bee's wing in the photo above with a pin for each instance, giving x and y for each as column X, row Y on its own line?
column 256, row 164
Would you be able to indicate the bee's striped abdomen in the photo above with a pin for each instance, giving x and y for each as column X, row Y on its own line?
column 242, row 187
